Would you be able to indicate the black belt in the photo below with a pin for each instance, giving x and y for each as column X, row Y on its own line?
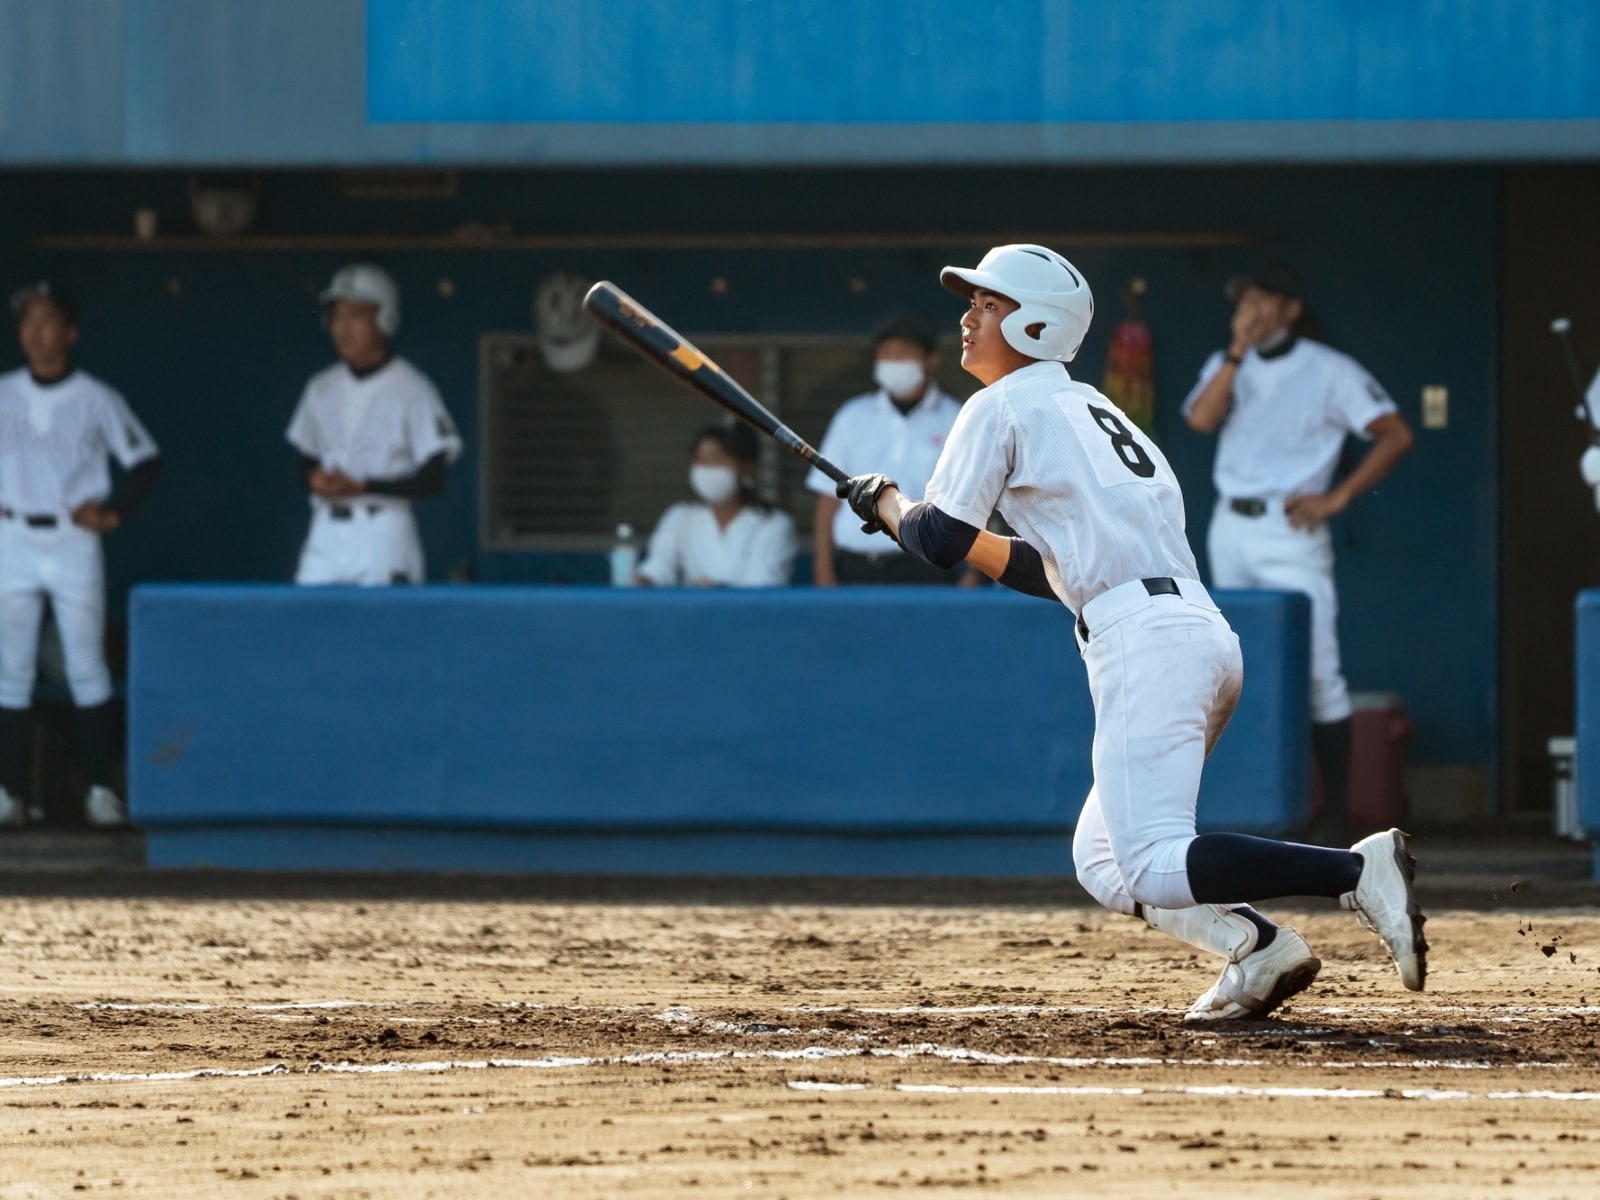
column 32, row 520
column 343, row 512
column 1249, row 508
column 1162, row 585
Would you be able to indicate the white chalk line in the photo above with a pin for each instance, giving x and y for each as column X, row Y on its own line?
column 808, row 1053
column 1222, row 1090
column 1368, row 1013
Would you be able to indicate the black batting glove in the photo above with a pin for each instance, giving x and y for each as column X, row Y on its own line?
column 861, row 493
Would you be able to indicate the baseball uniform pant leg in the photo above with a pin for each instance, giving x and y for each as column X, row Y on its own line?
column 21, row 611
column 1095, row 863
column 1164, row 682
column 394, row 549
column 1226, row 539
column 1268, row 552
column 322, row 557
column 76, row 584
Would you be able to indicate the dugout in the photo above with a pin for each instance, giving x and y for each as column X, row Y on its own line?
column 1436, row 196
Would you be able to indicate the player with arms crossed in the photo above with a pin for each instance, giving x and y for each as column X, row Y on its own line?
column 373, row 435
column 1101, row 520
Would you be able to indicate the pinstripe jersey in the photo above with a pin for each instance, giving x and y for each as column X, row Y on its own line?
column 1072, row 475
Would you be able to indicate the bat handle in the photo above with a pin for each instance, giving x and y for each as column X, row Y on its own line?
column 785, row 436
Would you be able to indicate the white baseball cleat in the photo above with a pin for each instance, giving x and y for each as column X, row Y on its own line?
column 12, row 812
column 1386, row 904
column 1257, row 984
column 104, row 809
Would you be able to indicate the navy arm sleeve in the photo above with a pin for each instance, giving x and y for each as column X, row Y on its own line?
column 1025, row 572
column 427, row 480
column 936, row 537
column 136, row 487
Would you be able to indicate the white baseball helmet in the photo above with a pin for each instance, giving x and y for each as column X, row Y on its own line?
column 1049, row 289
column 367, row 283
column 568, row 337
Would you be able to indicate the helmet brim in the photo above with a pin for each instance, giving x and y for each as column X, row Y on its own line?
column 332, row 294
column 963, row 281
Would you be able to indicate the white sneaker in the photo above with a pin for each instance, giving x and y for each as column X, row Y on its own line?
column 12, row 812
column 104, row 809
column 1386, row 904
column 1257, row 984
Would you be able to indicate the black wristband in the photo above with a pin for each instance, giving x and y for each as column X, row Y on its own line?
column 1228, row 356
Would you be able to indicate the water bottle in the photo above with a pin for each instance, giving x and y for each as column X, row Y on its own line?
column 623, row 557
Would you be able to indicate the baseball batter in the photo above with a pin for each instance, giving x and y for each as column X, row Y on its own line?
column 373, row 435
column 1101, row 520
column 1284, row 405
column 58, row 426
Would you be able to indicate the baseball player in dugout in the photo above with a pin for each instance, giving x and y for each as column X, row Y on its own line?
column 58, row 426
column 1282, row 405
column 1100, row 520
column 901, row 427
column 373, row 435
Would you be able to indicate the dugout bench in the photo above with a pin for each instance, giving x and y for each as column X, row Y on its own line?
column 881, row 731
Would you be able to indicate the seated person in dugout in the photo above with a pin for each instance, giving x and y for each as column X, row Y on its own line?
column 728, row 536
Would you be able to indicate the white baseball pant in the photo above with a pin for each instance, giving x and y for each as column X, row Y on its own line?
column 375, row 544
column 1268, row 552
column 66, row 564
column 1164, row 674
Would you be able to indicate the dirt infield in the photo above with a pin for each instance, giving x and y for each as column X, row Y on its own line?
column 374, row 1046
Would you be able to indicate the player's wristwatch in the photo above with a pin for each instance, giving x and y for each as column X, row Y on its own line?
column 1228, row 356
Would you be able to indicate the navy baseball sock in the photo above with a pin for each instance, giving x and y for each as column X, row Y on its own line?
column 1266, row 931
column 14, row 727
column 1225, row 867
column 96, row 736
column 1330, row 743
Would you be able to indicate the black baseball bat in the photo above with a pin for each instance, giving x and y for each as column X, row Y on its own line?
column 680, row 358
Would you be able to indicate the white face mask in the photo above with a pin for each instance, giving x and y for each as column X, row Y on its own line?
column 714, row 484
column 901, row 378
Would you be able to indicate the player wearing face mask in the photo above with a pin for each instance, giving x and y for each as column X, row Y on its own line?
column 728, row 536
column 904, row 422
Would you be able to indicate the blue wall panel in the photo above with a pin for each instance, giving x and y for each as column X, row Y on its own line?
column 856, row 712
column 621, row 82
column 1587, row 673
column 1026, row 62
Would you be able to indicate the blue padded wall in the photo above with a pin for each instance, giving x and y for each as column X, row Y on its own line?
column 928, row 722
column 1587, row 663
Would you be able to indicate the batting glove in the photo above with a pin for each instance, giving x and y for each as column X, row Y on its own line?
column 861, row 493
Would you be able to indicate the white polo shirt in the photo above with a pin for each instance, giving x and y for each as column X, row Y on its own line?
column 55, row 439
column 1073, row 475
column 869, row 433
column 384, row 425
column 1290, row 416
column 689, row 548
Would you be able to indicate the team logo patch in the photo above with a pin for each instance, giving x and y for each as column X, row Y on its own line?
column 1376, row 392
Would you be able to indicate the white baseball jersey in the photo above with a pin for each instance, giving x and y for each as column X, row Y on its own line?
column 689, row 547
column 1073, row 475
column 55, row 439
column 1591, row 401
column 869, row 433
column 1289, row 419
column 379, row 426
